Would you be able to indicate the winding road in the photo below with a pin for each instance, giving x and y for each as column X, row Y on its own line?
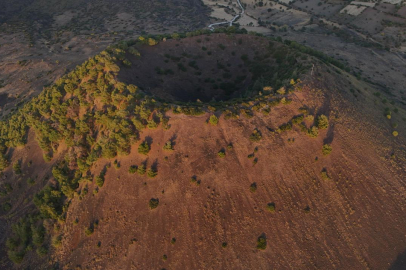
column 230, row 23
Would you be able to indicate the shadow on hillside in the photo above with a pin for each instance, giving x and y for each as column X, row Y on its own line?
column 149, row 140
column 399, row 263
column 330, row 135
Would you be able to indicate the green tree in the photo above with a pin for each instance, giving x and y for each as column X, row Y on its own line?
column 322, row 122
column 151, row 173
column 326, row 150
column 213, row 120
column 144, row 148
column 153, row 203
column 141, row 169
column 261, row 243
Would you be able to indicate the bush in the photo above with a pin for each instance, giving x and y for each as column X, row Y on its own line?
column 57, row 241
column 285, row 127
column 297, row 120
column 224, row 245
column 324, row 174
column 194, row 180
column 322, row 122
column 255, row 136
column 395, row 133
column 326, row 149
column 30, row 181
column 152, row 124
column 17, row 167
column 132, row 169
column 6, row 206
column 151, row 173
column 153, row 203
column 221, row 154
column 144, row 148
column 168, row 146
column 141, row 169
column 213, row 120
column 116, row 164
column 100, row 180
column 89, row 231
column 42, row 251
column 270, row 207
column 304, row 110
column 253, row 187
column 16, row 256
column 261, row 243
column 313, row 132
column 3, row 162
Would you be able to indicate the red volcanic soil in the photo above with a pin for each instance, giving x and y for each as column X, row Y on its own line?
column 354, row 220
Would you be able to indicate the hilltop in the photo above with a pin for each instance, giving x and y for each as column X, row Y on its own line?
column 204, row 150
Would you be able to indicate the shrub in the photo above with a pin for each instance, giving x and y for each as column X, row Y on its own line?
column 153, row 203
column 261, row 243
column 17, row 167
column 253, row 187
column 395, row 133
column 270, row 207
column 194, row 180
column 221, row 154
column 255, row 136
column 151, row 173
column 213, row 120
column 173, row 241
column 164, row 257
column 152, row 124
column 310, row 118
column 30, row 181
column 6, row 206
column 141, row 169
column 304, row 110
column 313, row 132
column 224, row 245
column 16, row 256
column 132, row 169
column 38, row 235
column 297, row 120
column 3, row 162
column 42, row 251
column 322, row 122
column 285, row 127
column 143, row 148
column 100, row 180
column 326, row 149
column 57, row 241
column 168, row 146
column 324, row 174
column 89, row 230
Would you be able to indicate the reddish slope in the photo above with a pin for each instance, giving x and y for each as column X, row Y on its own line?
column 356, row 221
